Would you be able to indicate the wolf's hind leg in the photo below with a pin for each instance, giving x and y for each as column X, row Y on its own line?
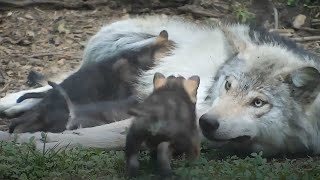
column 10, row 107
column 31, row 96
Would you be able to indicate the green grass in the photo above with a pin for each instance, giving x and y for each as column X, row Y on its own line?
column 242, row 13
column 23, row 162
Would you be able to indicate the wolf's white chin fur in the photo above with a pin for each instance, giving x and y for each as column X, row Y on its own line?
column 201, row 50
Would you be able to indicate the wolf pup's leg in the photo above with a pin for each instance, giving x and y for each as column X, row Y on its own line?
column 134, row 141
column 164, row 154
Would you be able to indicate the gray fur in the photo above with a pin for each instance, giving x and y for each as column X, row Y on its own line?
column 101, row 47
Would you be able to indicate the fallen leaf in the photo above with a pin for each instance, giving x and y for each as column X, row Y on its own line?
column 27, row 67
column 62, row 29
column 28, row 16
column 9, row 73
column 24, row 42
column 30, row 34
column 69, row 41
column 61, row 62
column 21, row 19
column 57, row 41
column 299, row 21
column 39, row 69
column 77, row 31
column 9, row 14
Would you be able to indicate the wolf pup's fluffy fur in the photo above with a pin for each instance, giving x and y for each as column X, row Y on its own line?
column 94, row 114
column 102, row 81
column 166, row 122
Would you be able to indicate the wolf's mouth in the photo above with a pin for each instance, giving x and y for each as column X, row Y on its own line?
column 238, row 139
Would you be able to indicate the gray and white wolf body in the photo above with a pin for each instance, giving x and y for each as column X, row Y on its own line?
column 258, row 91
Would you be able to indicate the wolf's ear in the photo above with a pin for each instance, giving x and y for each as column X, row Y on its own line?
column 159, row 80
column 191, row 86
column 238, row 45
column 305, row 84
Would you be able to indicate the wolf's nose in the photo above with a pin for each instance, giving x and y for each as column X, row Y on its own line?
column 208, row 123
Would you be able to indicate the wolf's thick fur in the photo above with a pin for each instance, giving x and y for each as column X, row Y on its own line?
column 287, row 126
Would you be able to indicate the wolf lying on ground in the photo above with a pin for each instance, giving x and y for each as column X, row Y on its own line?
column 258, row 91
column 166, row 122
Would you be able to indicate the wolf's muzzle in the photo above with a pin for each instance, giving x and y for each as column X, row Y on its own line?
column 208, row 124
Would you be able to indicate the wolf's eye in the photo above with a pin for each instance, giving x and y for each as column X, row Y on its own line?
column 258, row 103
column 227, row 86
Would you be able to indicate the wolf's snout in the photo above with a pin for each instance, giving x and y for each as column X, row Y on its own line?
column 208, row 124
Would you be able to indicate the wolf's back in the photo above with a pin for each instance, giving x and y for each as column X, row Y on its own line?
column 200, row 49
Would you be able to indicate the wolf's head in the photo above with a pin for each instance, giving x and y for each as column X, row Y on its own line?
column 260, row 100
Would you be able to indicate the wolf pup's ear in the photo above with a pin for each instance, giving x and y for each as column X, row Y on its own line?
column 159, row 80
column 191, row 86
column 305, row 84
column 164, row 34
column 162, row 37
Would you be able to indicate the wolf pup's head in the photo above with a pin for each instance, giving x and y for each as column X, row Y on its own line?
column 262, row 100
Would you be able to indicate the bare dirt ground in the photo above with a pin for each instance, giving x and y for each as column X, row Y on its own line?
column 52, row 41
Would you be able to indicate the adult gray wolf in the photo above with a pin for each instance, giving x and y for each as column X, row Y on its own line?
column 258, row 91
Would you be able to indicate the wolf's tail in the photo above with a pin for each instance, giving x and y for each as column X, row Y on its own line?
column 65, row 96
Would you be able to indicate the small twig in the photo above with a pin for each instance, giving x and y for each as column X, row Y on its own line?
column 311, row 30
column 286, row 34
column 282, row 30
column 45, row 54
column 42, row 54
column 310, row 38
column 313, row 6
column 315, row 21
column 38, row 9
column 315, row 24
column 2, row 80
column 5, row 87
column 276, row 18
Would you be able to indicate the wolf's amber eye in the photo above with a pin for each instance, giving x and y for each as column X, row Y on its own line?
column 258, row 103
column 227, row 86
